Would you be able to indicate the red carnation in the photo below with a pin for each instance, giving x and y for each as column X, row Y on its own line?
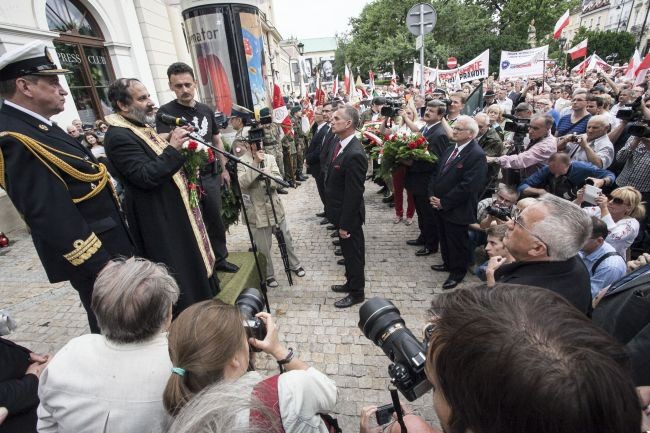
column 386, row 137
column 210, row 155
column 192, row 146
column 413, row 145
column 191, row 186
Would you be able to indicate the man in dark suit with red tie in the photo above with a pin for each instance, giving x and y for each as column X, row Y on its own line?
column 319, row 132
column 344, row 187
column 454, row 192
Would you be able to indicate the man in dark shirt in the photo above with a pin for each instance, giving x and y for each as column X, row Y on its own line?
column 183, row 84
column 545, row 239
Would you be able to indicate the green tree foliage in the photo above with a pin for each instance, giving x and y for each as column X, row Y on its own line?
column 606, row 43
column 464, row 29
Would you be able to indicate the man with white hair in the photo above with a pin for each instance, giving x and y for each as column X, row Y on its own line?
column 545, row 239
column 594, row 146
column 454, row 192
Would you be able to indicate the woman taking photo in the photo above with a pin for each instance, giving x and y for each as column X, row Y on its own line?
column 208, row 344
column 621, row 212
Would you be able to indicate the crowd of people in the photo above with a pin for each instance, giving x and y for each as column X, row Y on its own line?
column 549, row 210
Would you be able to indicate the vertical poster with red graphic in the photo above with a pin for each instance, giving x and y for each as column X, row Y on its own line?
column 208, row 40
column 253, row 40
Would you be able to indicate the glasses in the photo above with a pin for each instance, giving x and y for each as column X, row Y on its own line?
column 456, row 128
column 516, row 218
column 616, row 200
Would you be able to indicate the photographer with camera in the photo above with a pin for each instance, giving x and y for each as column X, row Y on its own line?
column 563, row 177
column 261, row 212
column 541, row 146
column 208, row 343
column 594, row 146
column 455, row 104
column 514, row 358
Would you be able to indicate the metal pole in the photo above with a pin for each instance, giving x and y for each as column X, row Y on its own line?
column 422, row 51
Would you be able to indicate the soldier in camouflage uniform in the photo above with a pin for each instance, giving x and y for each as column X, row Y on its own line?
column 289, row 154
column 272, row 144
column 300, row 140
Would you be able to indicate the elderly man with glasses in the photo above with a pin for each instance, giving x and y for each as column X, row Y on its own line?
column 545, row 239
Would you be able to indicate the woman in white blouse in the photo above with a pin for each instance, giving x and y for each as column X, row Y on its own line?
column 621, row 212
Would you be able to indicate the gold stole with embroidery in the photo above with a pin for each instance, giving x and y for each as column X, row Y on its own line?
column 157, row 144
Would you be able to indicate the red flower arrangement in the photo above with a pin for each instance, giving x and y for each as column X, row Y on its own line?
column 197, row 155
column 402, row 147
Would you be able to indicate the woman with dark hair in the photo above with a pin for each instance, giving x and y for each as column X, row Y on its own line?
column 208, row 344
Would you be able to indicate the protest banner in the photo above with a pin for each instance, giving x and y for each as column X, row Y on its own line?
column 475, row 69
column 521, row 64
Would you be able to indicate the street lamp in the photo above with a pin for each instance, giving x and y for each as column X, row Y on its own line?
column 301, row 48
column 561, row 42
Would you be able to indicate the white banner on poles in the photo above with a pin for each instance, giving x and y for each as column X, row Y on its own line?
column 475, row 69
column 526, row 63
column 429, row 74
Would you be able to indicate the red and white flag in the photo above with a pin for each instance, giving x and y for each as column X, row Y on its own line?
column 346, row 80
column 335, row 86
column 371, row 80
column 561, row 24
column 633, row 65
column 280, row 112
column 579, row 50
column 642, row 70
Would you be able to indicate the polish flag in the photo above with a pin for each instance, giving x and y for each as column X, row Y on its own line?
column 632, row 65
column 371, row 83
column 579, row 50
column 346, row 80
column 280, row 112
column 642, row 70
column 561, row 24
column 335, row 86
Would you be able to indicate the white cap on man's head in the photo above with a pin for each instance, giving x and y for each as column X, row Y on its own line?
column 30, row 59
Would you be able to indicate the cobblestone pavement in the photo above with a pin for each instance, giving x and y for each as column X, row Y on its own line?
column 325, row 337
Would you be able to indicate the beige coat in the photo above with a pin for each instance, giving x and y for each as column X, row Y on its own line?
column 253, row 189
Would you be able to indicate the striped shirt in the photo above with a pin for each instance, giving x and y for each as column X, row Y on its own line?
column 636, row 171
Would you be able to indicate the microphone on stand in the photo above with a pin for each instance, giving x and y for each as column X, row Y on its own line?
column 171, row 120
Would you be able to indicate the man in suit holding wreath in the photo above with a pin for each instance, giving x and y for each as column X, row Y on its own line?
column 344, row 187
column 454, row 192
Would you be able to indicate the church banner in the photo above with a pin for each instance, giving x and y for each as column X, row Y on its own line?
column 522, row 64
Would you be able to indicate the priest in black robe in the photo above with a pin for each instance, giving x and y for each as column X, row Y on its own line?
column 165, row 227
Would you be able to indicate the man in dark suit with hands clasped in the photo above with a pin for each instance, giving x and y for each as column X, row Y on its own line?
column 453, row 192
column 345, row 207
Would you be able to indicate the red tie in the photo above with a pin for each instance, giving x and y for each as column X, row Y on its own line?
column 337, row 149
column 451, row 157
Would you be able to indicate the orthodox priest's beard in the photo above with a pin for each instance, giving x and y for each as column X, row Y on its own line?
column 142, row 116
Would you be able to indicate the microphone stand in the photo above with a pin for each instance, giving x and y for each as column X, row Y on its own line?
column 234, row 160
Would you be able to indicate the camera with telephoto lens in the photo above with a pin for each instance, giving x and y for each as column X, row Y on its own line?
column 502, row 213
column 392, row 107
column 250, row 302
column 631, row 112
column 380, row 322
column 256, row 131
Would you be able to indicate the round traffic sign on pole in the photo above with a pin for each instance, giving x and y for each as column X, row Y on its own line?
column 452, row 62
column 421, row 19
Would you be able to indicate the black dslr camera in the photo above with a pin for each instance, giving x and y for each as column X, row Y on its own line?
column 519, row 126
column 392, row 107
column 250, row 303
column 380, row 322
column 220, row 119
column 631, row 112
column 256, row 132
column 499, row 212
